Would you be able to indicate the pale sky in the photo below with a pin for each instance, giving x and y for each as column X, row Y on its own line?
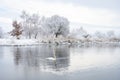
column 99, row 13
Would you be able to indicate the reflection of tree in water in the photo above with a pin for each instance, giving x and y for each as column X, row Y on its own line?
column 39, row 57
column 17, row 56
column 26, row 56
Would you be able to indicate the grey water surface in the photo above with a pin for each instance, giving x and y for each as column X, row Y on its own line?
column 61, row 62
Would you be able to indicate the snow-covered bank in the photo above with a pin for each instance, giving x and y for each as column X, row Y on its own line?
column 10, row 42
column 56, row 41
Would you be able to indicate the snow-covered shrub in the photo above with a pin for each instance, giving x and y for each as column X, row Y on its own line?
column 99, row 36
column 80, row 33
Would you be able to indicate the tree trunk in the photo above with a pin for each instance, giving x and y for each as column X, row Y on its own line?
column 29, row 36
column 56, row 35
column 36, row 35
column 17, row 37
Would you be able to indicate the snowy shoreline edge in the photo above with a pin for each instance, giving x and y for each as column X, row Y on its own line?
column 30, row 42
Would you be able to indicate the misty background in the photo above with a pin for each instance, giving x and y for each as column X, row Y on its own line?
column 92, row 15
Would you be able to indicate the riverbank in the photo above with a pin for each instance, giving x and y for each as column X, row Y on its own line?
column 30, row 42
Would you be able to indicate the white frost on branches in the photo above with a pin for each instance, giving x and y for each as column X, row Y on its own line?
column 30, row 24
column 34, row 25
column 80, row 33
column 56, row 26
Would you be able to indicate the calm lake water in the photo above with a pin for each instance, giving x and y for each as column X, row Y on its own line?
column 59, row 63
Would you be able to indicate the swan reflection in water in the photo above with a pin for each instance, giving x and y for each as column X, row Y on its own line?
column 55, row 58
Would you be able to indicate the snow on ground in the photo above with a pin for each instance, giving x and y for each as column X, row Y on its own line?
column 56, row 41
column 8, row 42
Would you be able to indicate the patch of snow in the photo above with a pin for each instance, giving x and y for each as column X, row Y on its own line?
column 8, row 42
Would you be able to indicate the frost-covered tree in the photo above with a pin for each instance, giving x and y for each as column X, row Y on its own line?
column 30, row 24
column 112, row 36
column 39, row 29
column 17, row 31
column 80, row 33
column 99, row 35
column 56, row 26
column 83, row 32
column 34, row 25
